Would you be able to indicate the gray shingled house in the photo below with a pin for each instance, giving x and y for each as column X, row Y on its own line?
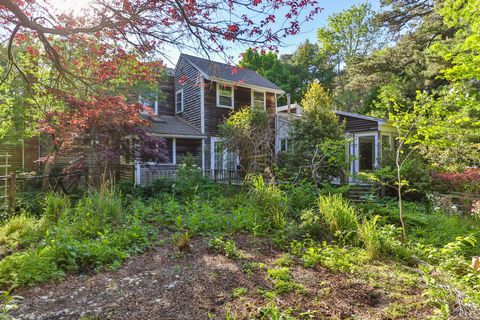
column 198, row 95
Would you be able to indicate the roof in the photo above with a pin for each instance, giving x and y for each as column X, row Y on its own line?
column 217, row 70
column 168, row 126
column 361, row 116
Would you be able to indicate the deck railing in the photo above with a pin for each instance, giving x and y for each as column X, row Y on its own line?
column 222, row 176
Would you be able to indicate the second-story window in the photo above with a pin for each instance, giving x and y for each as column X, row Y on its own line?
column 224, row 96
column 179, row 101
column 258, row 99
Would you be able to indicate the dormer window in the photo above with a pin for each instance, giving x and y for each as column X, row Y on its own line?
column 224, row 96
column 179, row 101
column 258, row 99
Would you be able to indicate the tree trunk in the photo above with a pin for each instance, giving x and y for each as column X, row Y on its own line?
column 400, row 200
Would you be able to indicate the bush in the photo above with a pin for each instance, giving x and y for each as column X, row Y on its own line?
column 28, row 268
column 20, row 232
column 339, row 217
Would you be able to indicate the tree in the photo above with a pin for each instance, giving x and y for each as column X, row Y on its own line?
column 349, row 37
column 351, row 34
column 100, row 132
column 317, row 141
column 145, row 27
column 249, row 134
column 269, row 66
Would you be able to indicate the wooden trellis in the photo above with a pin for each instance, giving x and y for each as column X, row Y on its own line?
column 5, row 182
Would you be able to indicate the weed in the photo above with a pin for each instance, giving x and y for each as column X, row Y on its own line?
column 283, row 281
column 56, row 205
column 182, row 241
column 286, row 260
column 272, row 312
column 239, row 292
column 7, row 304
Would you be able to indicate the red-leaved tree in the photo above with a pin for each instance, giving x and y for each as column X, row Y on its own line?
column 98, row 132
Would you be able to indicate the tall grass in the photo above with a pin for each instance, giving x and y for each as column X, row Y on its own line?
column 271, row 199
column 371, row 237
column 55, row 206
column 339, row 217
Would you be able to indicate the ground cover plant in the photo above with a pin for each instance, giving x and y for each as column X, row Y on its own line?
column 360, row 246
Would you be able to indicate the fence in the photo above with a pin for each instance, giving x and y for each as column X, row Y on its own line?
column 11, row 183
column 455, row 202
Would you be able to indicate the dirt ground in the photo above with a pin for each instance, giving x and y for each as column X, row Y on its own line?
column 164, row 284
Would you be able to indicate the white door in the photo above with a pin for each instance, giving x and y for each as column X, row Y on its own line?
column 364, row 148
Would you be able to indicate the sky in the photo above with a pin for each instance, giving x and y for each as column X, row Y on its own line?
column 309, row 30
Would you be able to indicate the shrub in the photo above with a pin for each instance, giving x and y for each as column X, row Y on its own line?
column 301, row 196
column 20, row 232
column 311, row 224
column 337, row 214
column 28, row 268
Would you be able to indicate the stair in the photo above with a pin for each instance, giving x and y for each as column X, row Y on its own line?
column 359, row 192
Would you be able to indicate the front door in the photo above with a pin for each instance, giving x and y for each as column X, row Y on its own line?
column 364, row 149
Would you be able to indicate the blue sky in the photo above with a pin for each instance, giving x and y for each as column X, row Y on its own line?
column 309, row 30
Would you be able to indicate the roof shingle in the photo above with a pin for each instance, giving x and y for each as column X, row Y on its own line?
column 226, row 72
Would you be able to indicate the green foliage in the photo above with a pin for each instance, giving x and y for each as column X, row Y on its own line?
column 229, row 248
column 318, row 151
column 272, row 312
column 56, row 205
column 283, row 281
column 94, row 234
column 272, row 201
column 20, row 232
column 339, row 216
column 239, row 292
column 7, row 303
column 351, row 33
column 28, row 268
column 248, row 133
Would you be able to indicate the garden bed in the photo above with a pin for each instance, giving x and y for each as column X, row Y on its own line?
column 164, row 283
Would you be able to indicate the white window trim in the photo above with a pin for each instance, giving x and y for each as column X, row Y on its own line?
column 264, row 98
column 218, row 96
column 174, row 155
column 176, row 95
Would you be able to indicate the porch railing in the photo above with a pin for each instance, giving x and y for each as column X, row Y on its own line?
column 222, row 176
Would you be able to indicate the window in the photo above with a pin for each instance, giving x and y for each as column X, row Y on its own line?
column 224, row 96
column 386, row 142
column 169, row 143
column 149, row 101
column 283, row 145
column 179, row 101
column 258, row 99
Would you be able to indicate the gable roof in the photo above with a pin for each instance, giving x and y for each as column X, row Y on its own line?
column 220, row 71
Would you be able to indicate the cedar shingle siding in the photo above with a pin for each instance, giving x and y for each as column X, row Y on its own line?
column 187, row 78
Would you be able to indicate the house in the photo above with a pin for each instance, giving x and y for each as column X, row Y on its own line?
column 368, row 136
column 198, row 96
